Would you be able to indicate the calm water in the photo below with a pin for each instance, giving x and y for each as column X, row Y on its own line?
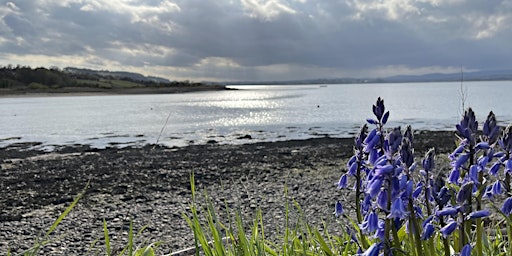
column 267, row 113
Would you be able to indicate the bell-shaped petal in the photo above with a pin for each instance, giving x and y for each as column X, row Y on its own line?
column 454, row 176
column 448, row 228
column 373, row 250
column 478, row 214
column 374, row 186
column 447, row 211
column 495, row 168
column 506, row 208
column 428, row 231
column 338, row 209
column 466, row 250
column 342, row 183
column 385, row 117
column 382, row 199
column 397, row 210
column 465, row 192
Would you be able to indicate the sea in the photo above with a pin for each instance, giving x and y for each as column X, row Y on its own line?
column 251, row 113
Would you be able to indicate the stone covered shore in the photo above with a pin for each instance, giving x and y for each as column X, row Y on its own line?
column 151, row 186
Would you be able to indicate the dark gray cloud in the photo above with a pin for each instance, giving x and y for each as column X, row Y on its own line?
column 258, row 39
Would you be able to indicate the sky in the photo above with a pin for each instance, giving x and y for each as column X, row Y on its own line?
column 259, row 40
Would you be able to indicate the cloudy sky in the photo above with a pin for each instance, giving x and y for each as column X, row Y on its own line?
column 259, row 39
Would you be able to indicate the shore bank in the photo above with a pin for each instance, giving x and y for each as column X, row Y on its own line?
column 86, row 91
column 150, row 185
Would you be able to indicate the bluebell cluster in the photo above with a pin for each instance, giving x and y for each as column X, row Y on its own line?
column 394, row 192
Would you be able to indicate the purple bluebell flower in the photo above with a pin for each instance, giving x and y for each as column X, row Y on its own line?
column 338, row 209
column 406, row 152
column 473, row 173
column 428, row 162
column 428, row 230
column 491, row 128
column 447, row 211
column 466, row 250
column 468, row 125
column 383, row 170
column 443, row 197
column 506, row 139
column 495, row 168
column 458, row 150
column 378, row 108
column 478, row 214
column 482, row 145
column 394, row 139
column 367, row 203
column 374, row 186
column 352, row 170
column 448, row 228
column 460, row 161
column 373, row 156
column 373, row 250
column 507, row 206
column 382, row 199
column 370, row 223
column 484, row 160
column 496, row 188
column 454, row 176
column 397, row 209
column 380, row 234
column 508, row 166
column 417, row 191
column 465, row 192
column 343, row 181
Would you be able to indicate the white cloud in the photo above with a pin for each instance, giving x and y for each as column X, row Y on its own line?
column 266, row 9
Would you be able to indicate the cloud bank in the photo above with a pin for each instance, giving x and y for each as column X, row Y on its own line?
column 258, row 39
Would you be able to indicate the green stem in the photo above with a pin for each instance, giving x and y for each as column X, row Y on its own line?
column 415, row 228
column 479, row 227
column 358, row 203
column 446, row 243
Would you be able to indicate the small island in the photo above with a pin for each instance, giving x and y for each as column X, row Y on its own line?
column 23, row 80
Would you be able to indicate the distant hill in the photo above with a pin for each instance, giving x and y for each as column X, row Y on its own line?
column 494, row 75
column 116, row 75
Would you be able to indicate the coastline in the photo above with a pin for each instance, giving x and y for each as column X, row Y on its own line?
column 150, row 185
column 89, row 91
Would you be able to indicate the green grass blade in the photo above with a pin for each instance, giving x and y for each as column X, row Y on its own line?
column 66, row 212
column 107, row 238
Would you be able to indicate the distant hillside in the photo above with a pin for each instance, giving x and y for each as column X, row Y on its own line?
column 116, row 75
column 22, row 79
column 495, row 75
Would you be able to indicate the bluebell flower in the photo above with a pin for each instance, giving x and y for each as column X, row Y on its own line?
column 473, row 173
column 427, row 220
column 466, row 250
column 491, row 128
column 465, row 192
column 343, row 181
column 352, row 170
column 397, row 209
column 428, row 230
column 507, row 206
column 458, row 150
column 454, row 176
column 394, row 139
column 495, row 168
column 482, row 145
column 506, row 139
column 508, row 165
column 447, row 211
column 460, row 161
column 496, row 188
column 468, row 125
column 370, row 223
column 367, row 203
column 374, row 186
column 380, row 234
column 406, row 152
column 373, row 250
column 417, row 191
column 448, row 228
column 382, row 199
column 443, row 197
column 378, row 108
column 383, row 170
column 428, row 162
column 338, row 209
column 478, row 214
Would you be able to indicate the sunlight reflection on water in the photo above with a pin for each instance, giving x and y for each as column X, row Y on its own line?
column 266, row 113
